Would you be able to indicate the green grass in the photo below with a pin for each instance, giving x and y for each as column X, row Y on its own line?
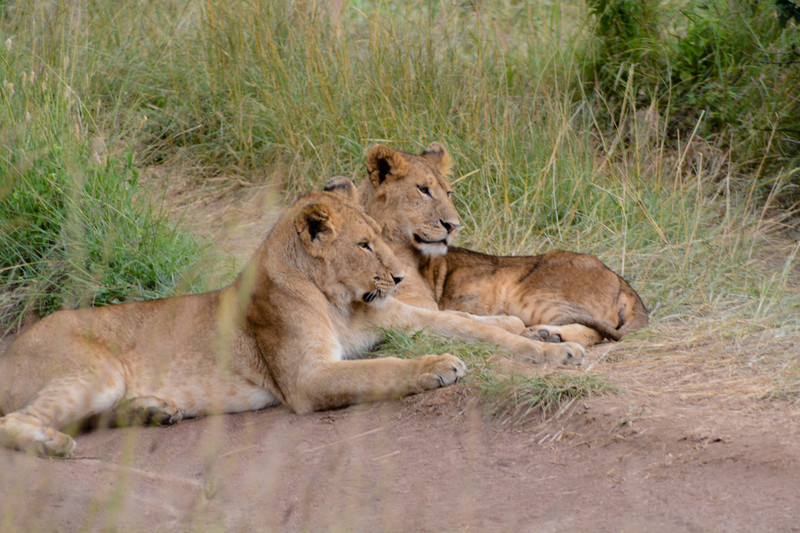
column 638, row 162
column 75, row 227
column 89, row 239
column 735, row 63
column 513, row 397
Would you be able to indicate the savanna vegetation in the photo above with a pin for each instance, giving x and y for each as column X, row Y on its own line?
column 663, row 137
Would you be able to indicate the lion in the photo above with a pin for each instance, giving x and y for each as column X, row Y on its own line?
column 285, row 331
column 318, row 293
column 559, row 296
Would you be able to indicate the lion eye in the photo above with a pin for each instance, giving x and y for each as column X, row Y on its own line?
column 424, row 190
column 365, row 245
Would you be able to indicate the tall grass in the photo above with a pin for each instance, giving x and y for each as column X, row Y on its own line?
column 549, row 149
column 736, row 63
column 75, row 229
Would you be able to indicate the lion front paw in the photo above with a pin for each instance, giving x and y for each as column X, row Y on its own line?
column 565, row 353
column 440, row 371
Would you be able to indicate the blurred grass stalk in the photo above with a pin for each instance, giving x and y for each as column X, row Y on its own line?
column 545, row 156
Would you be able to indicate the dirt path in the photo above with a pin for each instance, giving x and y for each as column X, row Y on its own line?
column 685, row 445
column 433, row 462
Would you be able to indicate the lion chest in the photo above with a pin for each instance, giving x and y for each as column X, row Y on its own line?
column 355, row 335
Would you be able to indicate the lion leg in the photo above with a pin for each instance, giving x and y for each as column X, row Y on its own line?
column 27, row 433
column 339, row 383
column 579, row 333
column 510, row 323
column 62, row 402
column 147, row 410
column 454, row 325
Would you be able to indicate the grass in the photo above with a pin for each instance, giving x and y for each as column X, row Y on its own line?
column 662, row 139
column 733, row 62
column 91, row 241
column 75, row 229
column 514, row 395
column 549, row 151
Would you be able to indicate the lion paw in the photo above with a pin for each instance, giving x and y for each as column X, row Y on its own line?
column 26, row 433
column 440, row 371
column 147, row 410
column 54, row 444
column 544, row 333
column 565, row 353
column 583, row 335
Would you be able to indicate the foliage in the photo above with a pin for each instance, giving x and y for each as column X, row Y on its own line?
column 514, row 396
column 75, row 229
column 731, row 68
column 517, row 397
column 67, row 244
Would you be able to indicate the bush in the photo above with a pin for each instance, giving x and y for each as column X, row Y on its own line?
column 734, row 67
column 93, row 241
column 75, row 229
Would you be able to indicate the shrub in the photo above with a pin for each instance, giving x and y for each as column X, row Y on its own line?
column 733, row 67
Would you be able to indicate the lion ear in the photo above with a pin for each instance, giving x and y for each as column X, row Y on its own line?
column 316, row 224
column 384, row 164
column 438, row 155
column 342, row 186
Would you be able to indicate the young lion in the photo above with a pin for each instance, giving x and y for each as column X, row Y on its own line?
column 559, row 296
column 281, row 333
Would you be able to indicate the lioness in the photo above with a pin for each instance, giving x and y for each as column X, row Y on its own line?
column 559, row 296
column 281, row 333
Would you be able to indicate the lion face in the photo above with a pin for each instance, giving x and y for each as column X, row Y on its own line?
column 351, row 261
column 409, row 195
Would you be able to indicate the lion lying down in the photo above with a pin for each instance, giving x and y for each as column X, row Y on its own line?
column 316, row 294
column 282, row 333
column 558, row 296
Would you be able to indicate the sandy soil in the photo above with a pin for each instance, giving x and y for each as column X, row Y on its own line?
column 433, row 462
column 687, row 444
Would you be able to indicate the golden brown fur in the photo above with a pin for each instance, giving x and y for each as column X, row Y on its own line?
column 429, row 226
column 559, row 296
column 409, row 197
column 281, row 333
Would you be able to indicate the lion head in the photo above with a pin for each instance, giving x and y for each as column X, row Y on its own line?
column 409, row 196
column 344, row 252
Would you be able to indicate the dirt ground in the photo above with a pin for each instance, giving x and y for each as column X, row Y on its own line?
column 686, row 444
column 433, row 462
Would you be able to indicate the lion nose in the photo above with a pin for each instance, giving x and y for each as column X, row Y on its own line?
column 449, row 226
column 397, row 279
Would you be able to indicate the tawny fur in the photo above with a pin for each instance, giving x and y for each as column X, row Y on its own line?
column 574, row 296
column 281, row 333
column 558, row 296
column 409, row 196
